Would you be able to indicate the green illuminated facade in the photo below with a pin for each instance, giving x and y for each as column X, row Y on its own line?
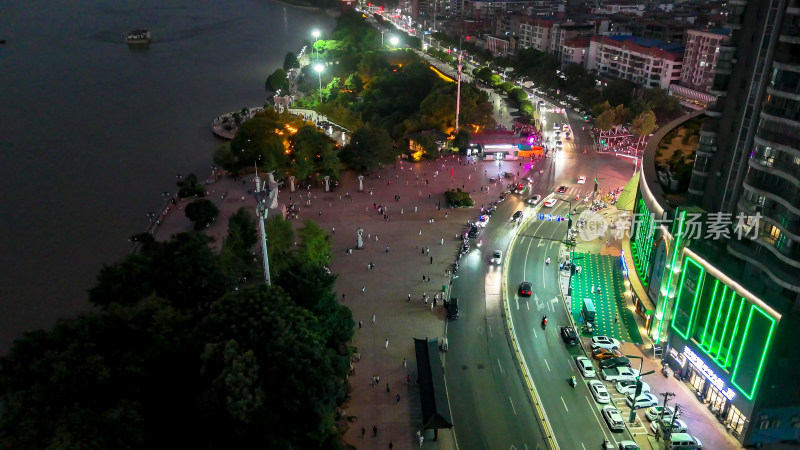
column 642, row 239
column 734, row 334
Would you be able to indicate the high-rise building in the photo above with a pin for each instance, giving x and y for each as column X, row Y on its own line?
column 646, row 62
column 699, row 63
column 717, row 270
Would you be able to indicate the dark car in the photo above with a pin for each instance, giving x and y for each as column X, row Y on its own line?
column 517, row 215
column 561, row 189
column 615, row 362
column 452, row 308
column 569, row 336
column 473, row 232
column 525, row 289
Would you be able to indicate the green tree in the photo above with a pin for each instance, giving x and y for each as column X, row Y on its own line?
column 315, row 244
column 290, row 62
column 368, row 149
column 223, row 157
column 201, row 212
column 278, row 81
column 354, row 83
column 619, row 92
column 280, row 237
column 329, row 162
column 606, row 120
column 644, row 124
column 257, row 143
column 190, row 187
column 462, row 139
column 237, row 248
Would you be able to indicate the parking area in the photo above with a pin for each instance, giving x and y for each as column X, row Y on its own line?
column 601, row 280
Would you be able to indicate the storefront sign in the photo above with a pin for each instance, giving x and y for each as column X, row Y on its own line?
column 624, row 264
column 709, row 374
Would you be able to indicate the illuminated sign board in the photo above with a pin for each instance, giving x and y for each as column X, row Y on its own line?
column 710, row 375
column 624, row 264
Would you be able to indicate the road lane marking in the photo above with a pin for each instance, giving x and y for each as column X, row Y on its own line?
column 548, row 365
column 584, row 447
column 595, row 414
column 489, row 328
column 512, row 405
column 528, row 304
column 534, row 332
column 517, row 299
column 564, row 403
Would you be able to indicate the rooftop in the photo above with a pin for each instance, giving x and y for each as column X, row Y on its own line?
column 650, row 43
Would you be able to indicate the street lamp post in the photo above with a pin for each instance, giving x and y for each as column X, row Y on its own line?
column 315, row 33
column 382, row 31
column 393, row 40
column 319, row 68
column 638, row 392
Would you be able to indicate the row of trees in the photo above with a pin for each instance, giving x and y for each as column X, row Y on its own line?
column 177, row 357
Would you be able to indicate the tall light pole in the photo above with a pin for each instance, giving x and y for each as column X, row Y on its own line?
column 393, row 40
column 382, row 31
column 319, row 68
column 315, row 33
column 638, row 392
column 458, row 90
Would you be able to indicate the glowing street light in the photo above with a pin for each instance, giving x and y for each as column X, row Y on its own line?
column 319, row 68
column 393, row 40
column 315, row 33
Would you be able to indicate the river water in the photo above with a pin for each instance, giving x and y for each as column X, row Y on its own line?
column 92, row 131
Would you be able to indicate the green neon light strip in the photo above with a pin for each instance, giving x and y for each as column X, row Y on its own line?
column 716, row 322
column 684, row 333
column 749, row 394
column 735, row 330
column 643, row 246
column 675, row 249
column 718, row 359
column 708, row 315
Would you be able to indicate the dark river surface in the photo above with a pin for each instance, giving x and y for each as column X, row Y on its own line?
column 92, row 131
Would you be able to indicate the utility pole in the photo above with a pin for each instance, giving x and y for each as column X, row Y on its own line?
column 667, row 396
column 668, row 432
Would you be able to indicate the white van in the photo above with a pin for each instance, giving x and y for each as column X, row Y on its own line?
column 684, row 441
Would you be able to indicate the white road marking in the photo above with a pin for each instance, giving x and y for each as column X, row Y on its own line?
column 517, row 300
column 584, row 447
column 548, row 365
column 528, row 304
column 534, row 332
column 489, row 328
column 512, row 406
column 500, row 366
column 564, row 403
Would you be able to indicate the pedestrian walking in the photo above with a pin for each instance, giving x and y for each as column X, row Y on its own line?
column 592, row 289
column 426, row 300
column 363, row 289
column 333, row 230
column 415, row 209
column 375, row 432
column 397, row 397
column 409, row 296
column 429, row 279
column 360, row 324
column 442, row 240
column 427, row 250
column 363, row 432
column 423, row 278
column 387, row 388
column 421, row 440
column 386, row 344
column 405, row 364
column 616, row 318
column 373, row 318
column 431, row 259
column 408, row 379
column 391, row 446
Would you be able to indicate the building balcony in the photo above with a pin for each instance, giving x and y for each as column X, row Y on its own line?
column 790, row 35
column 760, row 253
column 787, row 170
column 773, row 189
column 775, row 216
column 776, row 117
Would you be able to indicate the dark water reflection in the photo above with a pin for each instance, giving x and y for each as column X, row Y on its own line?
column 92, row 130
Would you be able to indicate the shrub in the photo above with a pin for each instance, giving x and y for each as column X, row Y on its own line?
column 458, row 198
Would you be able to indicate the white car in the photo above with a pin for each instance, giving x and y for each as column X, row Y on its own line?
column 628, row 387
column 550, row 203
column 678, row 426
column 653, row 413
column 619, row 374
column 604, row 342
column 585, row 367
column 556, row 126
column 599, row 391
column 581, row 180
column 628, row 445
column 534, row 200
column 642, row 401
column 497, row 257
column 559, row 144
column 613, row 418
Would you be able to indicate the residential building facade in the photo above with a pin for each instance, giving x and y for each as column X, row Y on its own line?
column 699, row 62
column 646, row 62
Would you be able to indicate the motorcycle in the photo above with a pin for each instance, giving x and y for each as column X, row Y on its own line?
column 664, row 371
column 547, row 261
column 573, row 382
column 544, row 322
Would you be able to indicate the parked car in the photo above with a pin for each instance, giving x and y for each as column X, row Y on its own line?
column 617, row 361
column 599, row 391
column 569, row 336
column 604, row 342
column 619, row 374
column 684, row 441
column 627, row 445
column 627, row 387
column 642, row 401
column 653, row 413
column 678, row 426
column 525, row 289
column 605, row 353
column 585, row 367
column 613, row 418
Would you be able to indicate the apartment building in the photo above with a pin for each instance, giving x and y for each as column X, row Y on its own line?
column 646, row 62
column 699, row 62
